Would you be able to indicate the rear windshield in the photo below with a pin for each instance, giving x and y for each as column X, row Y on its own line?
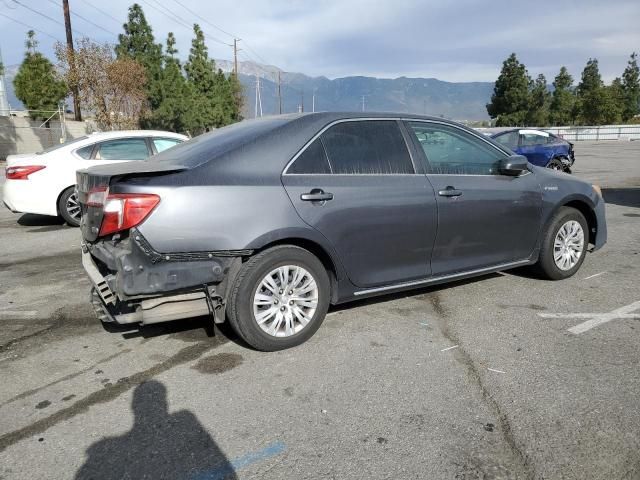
column 204, row 147
column 65, row 144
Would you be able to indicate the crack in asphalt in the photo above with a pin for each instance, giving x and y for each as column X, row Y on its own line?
column 33, row 391
column 461, row 355
column 186, row 354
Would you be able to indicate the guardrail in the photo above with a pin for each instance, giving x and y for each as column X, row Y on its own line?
column 602, row 132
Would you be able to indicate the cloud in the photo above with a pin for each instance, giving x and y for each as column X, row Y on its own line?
column 460, row 41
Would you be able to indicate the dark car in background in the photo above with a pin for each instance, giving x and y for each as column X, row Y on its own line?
column 267, row 222
column 541, row 148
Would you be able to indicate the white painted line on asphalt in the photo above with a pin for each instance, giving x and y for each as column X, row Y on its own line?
column 17, row 314
column 596, row 319
column 494, row 370
column 449, row 348
column 594, row 276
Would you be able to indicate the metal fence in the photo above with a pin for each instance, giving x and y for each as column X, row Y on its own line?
column 602, row 132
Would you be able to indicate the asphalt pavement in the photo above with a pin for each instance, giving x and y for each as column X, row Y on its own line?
column 504, row 376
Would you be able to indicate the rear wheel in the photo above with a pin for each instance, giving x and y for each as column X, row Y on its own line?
column 564, row 245
column 279, row 298
column 69, row 207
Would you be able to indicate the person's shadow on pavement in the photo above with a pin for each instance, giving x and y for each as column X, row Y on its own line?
column 160, row 445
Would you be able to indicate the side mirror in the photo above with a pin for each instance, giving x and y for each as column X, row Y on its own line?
column 513, row 165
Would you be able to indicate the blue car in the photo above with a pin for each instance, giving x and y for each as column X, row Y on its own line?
column 543, row 149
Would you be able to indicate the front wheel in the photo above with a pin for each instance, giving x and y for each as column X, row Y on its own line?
column 556, row 164
column 69, row 207
column 279, row 298
column 564, row 245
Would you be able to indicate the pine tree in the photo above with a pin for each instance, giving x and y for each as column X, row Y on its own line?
column 201, row 77
column 137, row 42
column 36, row 84
column 592, row 95
column 172, row 112
column 539, row 97
column 563, row 99
column 631, row 88
column 613, row 102
column 510, row 99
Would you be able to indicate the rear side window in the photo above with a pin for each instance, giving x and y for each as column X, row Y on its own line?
column 367, row 147
column 85, row 152
column 162, row 144
column 123, row 149
column 312, row 161
column 509, row 140
column 531, row 139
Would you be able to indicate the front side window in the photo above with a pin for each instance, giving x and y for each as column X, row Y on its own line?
column 123, row 149
column 162, row 144
column 452, row 151
column 312, row 161
column 371, row 147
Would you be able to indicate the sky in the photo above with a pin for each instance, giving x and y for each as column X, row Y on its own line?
column 452, row 40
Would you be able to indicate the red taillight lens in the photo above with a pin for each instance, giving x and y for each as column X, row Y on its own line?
column 126, row 210
column 22, row 172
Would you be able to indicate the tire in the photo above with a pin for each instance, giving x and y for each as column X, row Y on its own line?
column 67, row 205
column 556, row 164
column 249, row 297
column 548, row 267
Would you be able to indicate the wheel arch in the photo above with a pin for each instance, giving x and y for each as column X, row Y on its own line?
column 60, row 196
column 331, row 264
column 589, row 214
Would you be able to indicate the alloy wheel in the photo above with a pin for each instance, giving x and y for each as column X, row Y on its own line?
column 73, row 207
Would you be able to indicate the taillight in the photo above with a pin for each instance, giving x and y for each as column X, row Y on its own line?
column 22, row 172
column 126, row 210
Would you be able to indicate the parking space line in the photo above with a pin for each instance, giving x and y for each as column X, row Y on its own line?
column 594, row 276
column 596, row 319
column 449, row 348
column 11, row 314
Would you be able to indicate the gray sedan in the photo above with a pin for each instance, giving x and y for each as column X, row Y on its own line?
column 267, row 222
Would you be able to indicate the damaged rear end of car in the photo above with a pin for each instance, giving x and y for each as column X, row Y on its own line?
column 134, row 283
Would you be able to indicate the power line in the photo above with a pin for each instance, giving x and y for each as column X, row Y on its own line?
column 30, row 27
column 204, row 19
column 104, row 13
column 85, row 19
column 46, row 16
column 180, row 21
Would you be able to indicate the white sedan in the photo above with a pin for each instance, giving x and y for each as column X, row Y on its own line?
column 44, row 182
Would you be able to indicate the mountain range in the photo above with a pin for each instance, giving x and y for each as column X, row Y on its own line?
column 459, row 101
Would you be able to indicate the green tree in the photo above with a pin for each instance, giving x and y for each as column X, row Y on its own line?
column 201, row 77
column 592, row 96
column 510, row 100
column 631, row 88
column 138, row 43
column 176, row 96
column 539, row 99
column 562, row 99
column 613, row 102
column 36, row 84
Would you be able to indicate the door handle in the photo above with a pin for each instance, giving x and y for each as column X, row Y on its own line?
column 316, row 195
column 450, row 192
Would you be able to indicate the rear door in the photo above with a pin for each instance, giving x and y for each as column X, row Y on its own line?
column 357, row 184
column 534, row 146
column 484, row 218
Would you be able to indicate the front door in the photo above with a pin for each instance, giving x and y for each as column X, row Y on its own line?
column 484, row 218
column 358, row 186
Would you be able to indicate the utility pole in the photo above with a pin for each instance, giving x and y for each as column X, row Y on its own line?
column 313, row 100
column 279, row 95
column 5, row 109
column 258, row 97
column 363, row 102
column 302, row 101
column 72, row 62
column 235, row 56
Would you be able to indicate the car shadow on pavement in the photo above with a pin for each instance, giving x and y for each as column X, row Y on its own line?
column 33, row 220
column 625, row 197
column 159, row 445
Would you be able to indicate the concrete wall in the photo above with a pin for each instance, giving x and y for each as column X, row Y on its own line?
column 23, row 135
